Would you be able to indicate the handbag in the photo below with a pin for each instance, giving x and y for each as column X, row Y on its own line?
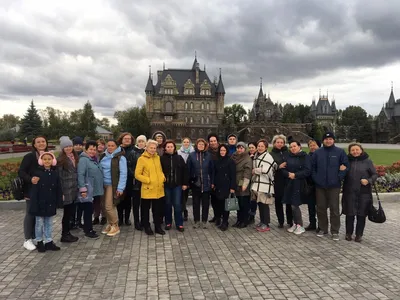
column 376, row 215
column 231, row 203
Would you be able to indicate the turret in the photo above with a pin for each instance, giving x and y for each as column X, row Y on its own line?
column 220, row 93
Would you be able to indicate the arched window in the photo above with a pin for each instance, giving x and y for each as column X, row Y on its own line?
column 202, row 120
column 208, row 120
column 168, row 107
column 186, row 119
column 186, row 106
column 202, row 105
column 191, row 119
column 191, row 105
column 208, row 106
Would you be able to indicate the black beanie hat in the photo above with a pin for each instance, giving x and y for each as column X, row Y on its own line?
column 328, row 135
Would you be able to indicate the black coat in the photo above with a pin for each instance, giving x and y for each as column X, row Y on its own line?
column 224, row 177
column 46, row 195
column 279, row 156
column 28, row 167
column 175, row 170
column 132, row 159
column 300, row 165
column 357, row 198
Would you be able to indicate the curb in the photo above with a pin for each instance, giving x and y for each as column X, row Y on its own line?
column 20, row 205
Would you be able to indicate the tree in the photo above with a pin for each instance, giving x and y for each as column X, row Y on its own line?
column 87, row 123
column 235, row 114
column 296, row 114
column 104, row 122
column 31, row 124
column 360, row 126
column 353, row 114
column 133, row 120
column 56, row 123
column 8, row 121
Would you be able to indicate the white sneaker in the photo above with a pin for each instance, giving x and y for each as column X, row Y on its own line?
column 292, row 229
column 299, row 230
column 28, row 245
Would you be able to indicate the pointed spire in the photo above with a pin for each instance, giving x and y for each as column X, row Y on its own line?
column 260, row 93
column 195, row 63
column 220, row 87
column 391, row 101
column 163, row 67
column 327, row 94
column 149, row 86
column 204, row 67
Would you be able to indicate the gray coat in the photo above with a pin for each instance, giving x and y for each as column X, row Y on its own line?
column 357, row 198
column 244, row 166
column 69, row 182
column 90, row 167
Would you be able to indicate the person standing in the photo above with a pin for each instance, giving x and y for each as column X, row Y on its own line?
column 46, row 197
column 132, row 158
column 244, row 166
column 280, row 153
column 201, row 174
column 296, row 172
column 27, row 169
column 77, row 221
column 225, row 184
column 177, row 180
column 213, row 151
column 232, row 140
column 253, row 204
column 149, row 172
column 67, row 163
column 313, row 145
column 90, row 185
column 98, row 202
column 329, row 167
column 160, row 138
column 126, row 140
column 357, row 190
column 184, row 151
column 115, row 174
column 262, row 187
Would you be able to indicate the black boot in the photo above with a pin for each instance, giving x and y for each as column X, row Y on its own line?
column 103, row 221
column 159, row 230
column 127, row 221
column 252, row 219
column 120, row 222
column 68, row 238
column 138, row 226
column 51, row 246
column 311, row 227
column 185, row 215
column 148, row 231
column 218, row 222
column 224, row 226
column 236, row 224
column 96, row 221
column 242, row 225
column 40, row 247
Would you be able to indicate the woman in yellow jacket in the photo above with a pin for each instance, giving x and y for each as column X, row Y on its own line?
column 149, row 172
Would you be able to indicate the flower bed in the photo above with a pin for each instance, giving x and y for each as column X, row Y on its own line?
column 389, row 178
column 8, row 171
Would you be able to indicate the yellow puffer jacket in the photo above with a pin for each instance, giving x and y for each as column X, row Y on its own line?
column 149, row 172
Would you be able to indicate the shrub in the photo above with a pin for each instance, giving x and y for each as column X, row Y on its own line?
column 8, row 171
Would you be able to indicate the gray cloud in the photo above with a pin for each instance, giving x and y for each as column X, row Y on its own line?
column 105, row 60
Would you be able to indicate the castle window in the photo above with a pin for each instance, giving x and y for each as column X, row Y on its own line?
column 168, row 118
column 191, row 105
column 208, row 106
column 208, row 120
column 202, row 105
column 169, row 91
column 202, row 120
column 191, row 119
column 186, row 119
column 168, row 107
column 186, row 106
column 205, row 92
column 189, row 92
column 269, row 113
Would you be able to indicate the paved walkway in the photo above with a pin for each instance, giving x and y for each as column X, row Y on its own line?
column 204, row 264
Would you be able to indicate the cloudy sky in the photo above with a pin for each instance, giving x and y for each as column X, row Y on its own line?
column 63, row 53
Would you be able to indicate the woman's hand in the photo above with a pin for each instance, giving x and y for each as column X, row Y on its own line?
column 35, row 180
column 292, row 175
column 342, row 168
column 83, row 194
column 364, row 182
column 244, row 188
column 119, row 194
column 213, row 186
column 184, row 187
column 282, row 165
column 232, row 191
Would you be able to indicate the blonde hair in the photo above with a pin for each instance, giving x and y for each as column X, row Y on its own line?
column 150, row 141
column 278, row 137
column 356, row 145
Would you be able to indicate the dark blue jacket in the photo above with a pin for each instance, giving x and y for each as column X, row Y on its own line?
column 300, row 165
column 231, row 149
column 325, row 167
column 225, row 177
column 201, row 170
column 46, row 195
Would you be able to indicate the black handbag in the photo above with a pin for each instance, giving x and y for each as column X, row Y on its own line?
column 376, row 215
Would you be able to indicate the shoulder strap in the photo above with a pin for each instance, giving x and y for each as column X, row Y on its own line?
column 376, row 192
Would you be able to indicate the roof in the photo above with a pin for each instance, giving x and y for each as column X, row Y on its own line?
column 324, row 107
column 149, row 85
column 101, row 130
column 220, row 86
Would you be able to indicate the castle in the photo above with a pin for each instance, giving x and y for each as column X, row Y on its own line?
column 185, row 103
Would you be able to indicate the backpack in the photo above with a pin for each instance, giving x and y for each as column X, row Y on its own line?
column 17, row 188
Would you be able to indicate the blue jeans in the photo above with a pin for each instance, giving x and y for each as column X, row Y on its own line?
column 173, row 198
column 44, row 229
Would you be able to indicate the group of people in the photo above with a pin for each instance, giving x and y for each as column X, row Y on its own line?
column 102, row 182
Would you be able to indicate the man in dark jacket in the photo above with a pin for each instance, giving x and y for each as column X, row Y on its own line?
column 213, row 151
column 232, row 141
column 329, row 167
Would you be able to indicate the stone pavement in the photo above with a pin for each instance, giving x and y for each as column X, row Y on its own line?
column 204, row 264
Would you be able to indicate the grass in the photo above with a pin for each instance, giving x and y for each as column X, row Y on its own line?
column 378, row 156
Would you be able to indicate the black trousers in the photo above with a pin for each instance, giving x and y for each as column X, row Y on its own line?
column 359, row 227
column 185, row 196
column 214, row 204
column 220, row 212
column 312, row 210
column 125, row 206
column 203, row 199
column 265, row 217
column 244, row 205
column 136, row 206
column 156, row 207
column 69, row 211
column 87, row 209
column 279, row 212
column 77, row 216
